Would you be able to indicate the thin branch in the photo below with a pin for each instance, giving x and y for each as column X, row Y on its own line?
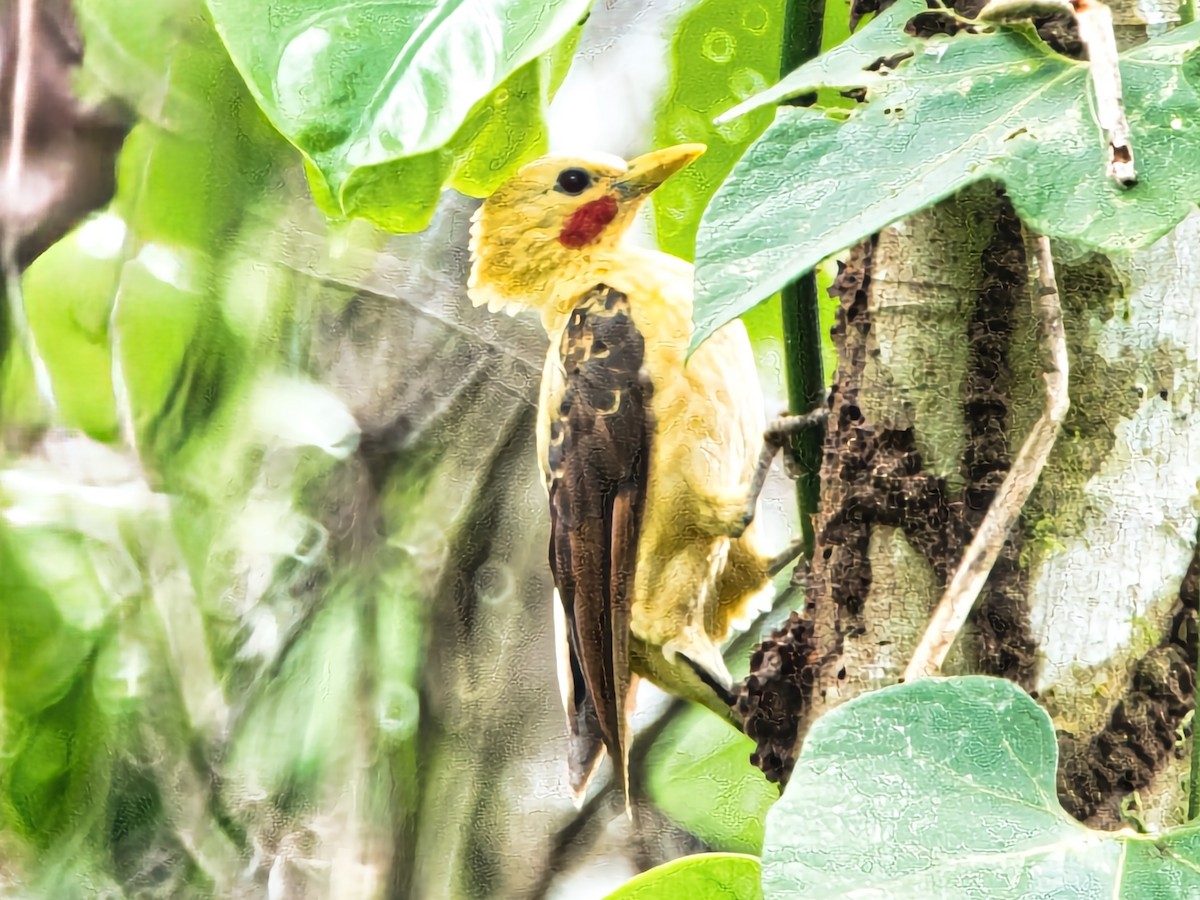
column 964, row 588
column 10, row 211
column 19, row 124
column 1096, row 31
column 802, row 34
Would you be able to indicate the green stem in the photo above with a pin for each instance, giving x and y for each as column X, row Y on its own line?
column 806, row 391
column 802, row 26
column 1194, row 781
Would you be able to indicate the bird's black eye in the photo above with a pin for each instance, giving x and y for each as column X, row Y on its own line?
column 573, row 181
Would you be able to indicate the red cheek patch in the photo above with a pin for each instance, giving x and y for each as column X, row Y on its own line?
column 586, row 223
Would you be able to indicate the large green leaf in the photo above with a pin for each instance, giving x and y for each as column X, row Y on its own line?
column 997, row 105
column 946, row 788
column 706, row 876
column 388, row 99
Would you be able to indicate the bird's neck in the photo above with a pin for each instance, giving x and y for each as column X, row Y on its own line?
column 659, row 286
column 511, row 281
column 552, row 289
column 576, row 279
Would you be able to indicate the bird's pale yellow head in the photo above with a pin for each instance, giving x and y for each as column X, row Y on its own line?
column 547, row 232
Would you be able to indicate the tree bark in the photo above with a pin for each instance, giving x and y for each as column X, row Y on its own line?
column 939, row 376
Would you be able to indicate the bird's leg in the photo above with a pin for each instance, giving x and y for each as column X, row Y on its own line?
column 776, row 435
column 959, row 598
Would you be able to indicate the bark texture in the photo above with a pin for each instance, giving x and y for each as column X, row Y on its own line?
column 1088, row 606
column 938, row 378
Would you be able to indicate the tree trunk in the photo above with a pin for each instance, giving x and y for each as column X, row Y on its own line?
column 939, row 381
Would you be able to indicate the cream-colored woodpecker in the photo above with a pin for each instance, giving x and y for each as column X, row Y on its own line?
column 648, row 456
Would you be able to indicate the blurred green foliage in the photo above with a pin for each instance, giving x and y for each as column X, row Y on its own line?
column 250, row 608
column 147, row 596
column 391, row 101
column 721, row 54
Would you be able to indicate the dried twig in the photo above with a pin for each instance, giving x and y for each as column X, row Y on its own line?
column 1094, row 21
column 964, row 588
column 20, row 105
column 1096, row 31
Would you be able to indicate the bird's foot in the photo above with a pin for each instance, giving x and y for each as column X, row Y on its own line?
column 775, row 436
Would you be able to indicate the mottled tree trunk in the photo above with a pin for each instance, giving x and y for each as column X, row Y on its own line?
column 939, row 380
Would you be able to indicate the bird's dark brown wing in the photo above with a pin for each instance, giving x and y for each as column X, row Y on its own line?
column 598, row 461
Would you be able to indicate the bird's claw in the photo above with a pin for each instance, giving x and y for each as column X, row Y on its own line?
column 783, row 427
column 774, row 437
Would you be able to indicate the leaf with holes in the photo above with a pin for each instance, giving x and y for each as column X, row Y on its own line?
column 996, row 105
column 390, row 100
column 946, row 788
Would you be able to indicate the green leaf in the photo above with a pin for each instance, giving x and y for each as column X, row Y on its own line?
column 132, row 48
column 42, row 652
column 998, row 105
column 705, row 876
column 946, row 788
column 20, row 405
column 55, row 768
column 698, row 774
column 159, row 315
column 502, row 132
column 69, row 322
column 511, row 121
column 384, row 96
column 848, row 64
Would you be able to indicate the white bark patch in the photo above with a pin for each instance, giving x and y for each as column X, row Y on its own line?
column 926, row 277
column 1123, row 568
